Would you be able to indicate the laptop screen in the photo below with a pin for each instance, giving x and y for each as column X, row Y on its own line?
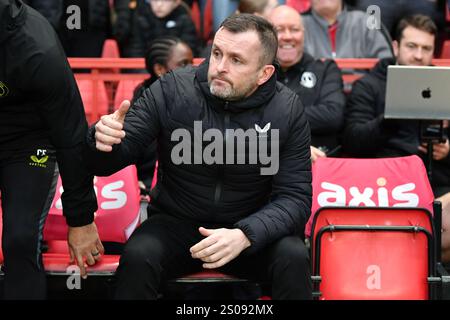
column 415, row 92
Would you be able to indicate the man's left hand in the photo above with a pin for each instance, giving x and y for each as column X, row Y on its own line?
column 219, row 247
column 84, row 244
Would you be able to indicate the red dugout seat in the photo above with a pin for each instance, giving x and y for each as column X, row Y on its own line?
column 110, row 49
column 125, row 91
column 445, row 54
column 369, row 238
column 95, row 99
column 117, row 217
column 373, row 253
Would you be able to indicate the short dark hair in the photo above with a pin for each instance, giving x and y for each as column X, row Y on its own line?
column 238, row 23
column 418, row 21
column 252, row 6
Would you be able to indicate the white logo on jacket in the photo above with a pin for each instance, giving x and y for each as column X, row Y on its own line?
column 262, row 132
column 308, row 80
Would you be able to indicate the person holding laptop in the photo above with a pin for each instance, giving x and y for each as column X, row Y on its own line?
column 368, row 134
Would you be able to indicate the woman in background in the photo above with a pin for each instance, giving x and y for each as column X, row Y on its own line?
column 165, row 54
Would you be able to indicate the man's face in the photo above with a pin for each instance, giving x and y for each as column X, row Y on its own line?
column 290, row 30
column 235, row 68
column 162, row 8
column 416, row 48
column 181, row 56
column 325, row 7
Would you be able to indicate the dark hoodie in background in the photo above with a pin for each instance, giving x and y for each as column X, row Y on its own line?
column 40, row 103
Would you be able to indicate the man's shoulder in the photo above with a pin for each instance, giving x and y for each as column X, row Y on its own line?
column 181, row 75
column 285, row 95
column 37, row 34
column 179, row 81
column 320, row 65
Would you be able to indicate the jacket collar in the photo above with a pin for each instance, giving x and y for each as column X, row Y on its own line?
column 380, row 69
column 297, row 68
column 261, row 96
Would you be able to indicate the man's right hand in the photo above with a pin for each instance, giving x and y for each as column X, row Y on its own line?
column 109, row 130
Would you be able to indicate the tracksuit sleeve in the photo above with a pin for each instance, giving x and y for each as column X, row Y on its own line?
column 53, row 87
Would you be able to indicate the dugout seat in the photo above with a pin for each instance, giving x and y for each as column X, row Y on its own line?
column 95, row 99
column 117, row 217
column 371, row 231
column 125, row 91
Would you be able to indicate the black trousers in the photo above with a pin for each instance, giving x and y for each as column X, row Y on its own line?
column 159, row 250
column 27, row 187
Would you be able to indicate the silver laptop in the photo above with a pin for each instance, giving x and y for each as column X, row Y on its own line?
column 418, row 93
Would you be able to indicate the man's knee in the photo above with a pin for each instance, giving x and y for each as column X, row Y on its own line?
column 142, row 253
column 23, row 242
column 292, row 249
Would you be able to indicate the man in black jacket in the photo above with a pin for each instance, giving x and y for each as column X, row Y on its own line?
column 368, row 134
column 318, row 83
column 227, row 205
column 42, row 122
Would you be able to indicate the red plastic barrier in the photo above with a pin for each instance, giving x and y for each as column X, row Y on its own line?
column 118, row 199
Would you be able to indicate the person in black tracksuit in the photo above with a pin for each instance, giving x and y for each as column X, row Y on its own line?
column 318, row 83
column 254, row 223
column 42, row 122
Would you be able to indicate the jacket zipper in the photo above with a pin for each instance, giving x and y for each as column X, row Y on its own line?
column 219, row 184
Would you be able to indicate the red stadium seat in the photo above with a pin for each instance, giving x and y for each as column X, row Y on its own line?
column 203, row 26
column 110, row 49
column 299, row 5
column 370, row 237
column 445, row 54
column 125, row 91
column 95, row 99
column 373, row 253
column 447, row 12
column 117, row 217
